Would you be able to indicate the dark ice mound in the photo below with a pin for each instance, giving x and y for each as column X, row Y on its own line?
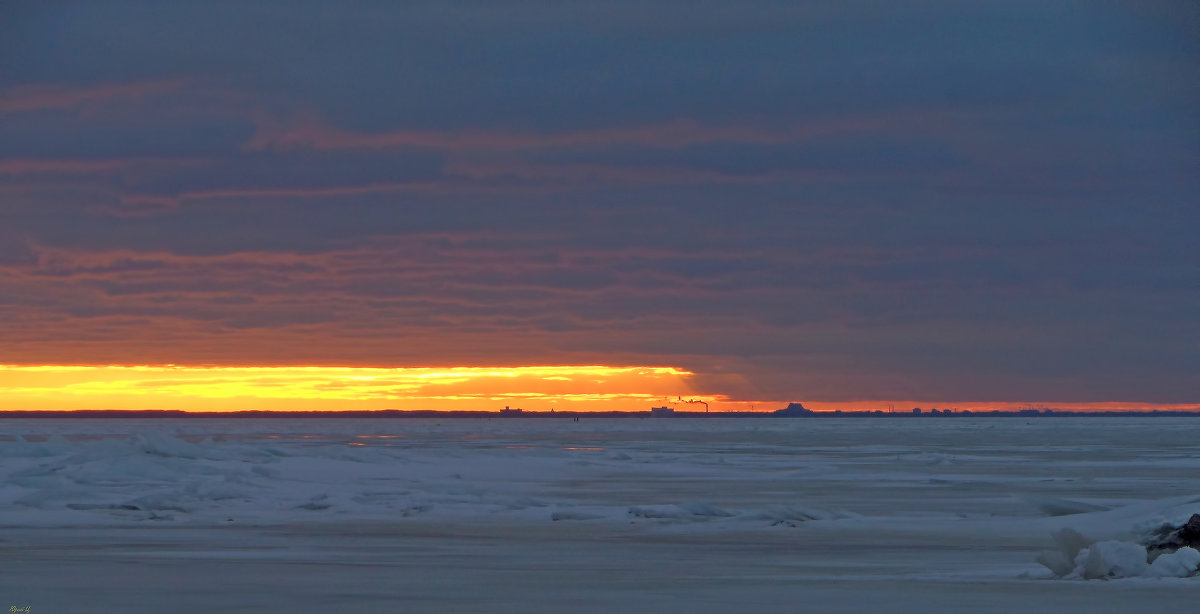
column 1169, row 539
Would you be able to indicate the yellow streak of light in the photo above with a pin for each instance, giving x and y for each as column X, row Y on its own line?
column 219, row 388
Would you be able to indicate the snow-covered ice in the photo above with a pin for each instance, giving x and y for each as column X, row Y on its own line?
column 822, row 514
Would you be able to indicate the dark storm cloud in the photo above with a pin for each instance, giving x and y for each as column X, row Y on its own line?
column 853, row 199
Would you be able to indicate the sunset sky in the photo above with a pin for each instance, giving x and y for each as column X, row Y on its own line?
column 599, row 205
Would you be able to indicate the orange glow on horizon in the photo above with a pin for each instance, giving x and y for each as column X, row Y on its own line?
column 231, row 388
column 331, row 388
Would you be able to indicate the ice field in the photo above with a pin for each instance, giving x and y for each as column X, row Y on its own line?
column 601, row 515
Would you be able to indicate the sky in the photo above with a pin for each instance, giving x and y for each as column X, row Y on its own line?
column 599, row 205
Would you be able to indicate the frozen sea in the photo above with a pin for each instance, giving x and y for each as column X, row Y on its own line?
column 600, row 515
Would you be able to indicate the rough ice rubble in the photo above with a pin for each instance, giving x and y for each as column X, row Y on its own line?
column 156, row 475
column 144, row 473
column 1081, row 558
column 1182, row 563
column 1110, row 559
column 202, row 474
column 1117, row 559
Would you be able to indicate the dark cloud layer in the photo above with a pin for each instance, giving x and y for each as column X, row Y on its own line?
column 830, row 201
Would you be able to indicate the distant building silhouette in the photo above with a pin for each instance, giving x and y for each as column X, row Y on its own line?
column 794, row 409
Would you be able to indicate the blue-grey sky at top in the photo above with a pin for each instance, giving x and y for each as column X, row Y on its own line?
column 992, row 201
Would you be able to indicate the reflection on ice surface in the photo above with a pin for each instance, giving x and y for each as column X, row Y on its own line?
column 963, row 500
